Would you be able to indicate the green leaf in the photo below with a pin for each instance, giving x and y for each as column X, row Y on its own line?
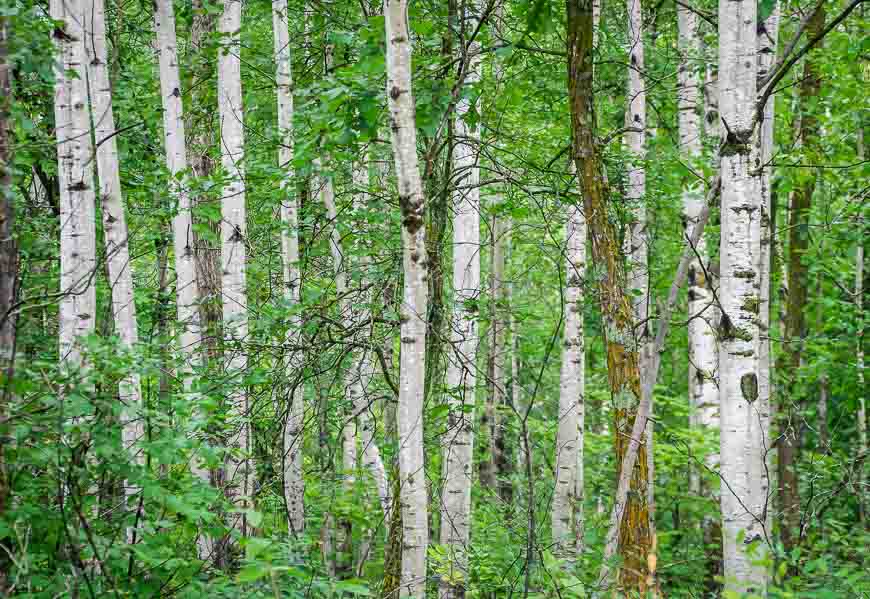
column 252, row 572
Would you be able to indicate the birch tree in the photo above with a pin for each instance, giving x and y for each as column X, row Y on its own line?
column 233, row 258
column 703, row 357
column 568, row 492
column 499, row 292
column 186, row 285
column 187, row 293
column 767, row 43
column 291, row 455
column 636, row 243
column 462, row 363
column 636, row 240
column 635, row 542
column 415, row 530
column 741, row 440
column 115, row 232
column 78, row 265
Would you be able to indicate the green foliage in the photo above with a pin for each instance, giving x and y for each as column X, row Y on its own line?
column 64, row 529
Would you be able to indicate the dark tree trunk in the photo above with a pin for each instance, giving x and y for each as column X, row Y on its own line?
column 795, row 300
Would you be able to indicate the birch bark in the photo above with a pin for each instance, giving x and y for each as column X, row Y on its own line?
column 767, row 42
column 462, row 363
column 351, row 382
column 415, row 531
column 741, row 443
column 78, row 265
column 187, row 292
column 186, row 286
column 291, row 456
column 359, row 377
column 636, row 242
column 115, row 230
column 703, row 358
column 568, row 492
column 239, row 470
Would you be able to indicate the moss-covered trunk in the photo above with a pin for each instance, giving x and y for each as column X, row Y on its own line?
column 635, row 539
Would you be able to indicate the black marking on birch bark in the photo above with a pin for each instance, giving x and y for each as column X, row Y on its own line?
column 60, row 33
column 412, row 213
column 237, row 235
column 749, row 386
column 736, row 142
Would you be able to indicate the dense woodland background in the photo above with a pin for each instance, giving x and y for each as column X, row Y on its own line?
column 227, row 396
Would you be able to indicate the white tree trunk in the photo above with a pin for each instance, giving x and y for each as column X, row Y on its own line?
column 239, row 469
column 636, row 242
column 78, row 266
column 568, row 492
column 291, row 457
column 741, row 442
column 186, row 287
column 767, row 42
column 458, row 441
column 115, row 230
column 636, row 238
column 415, row 530
column 176, row 162
column 703, row 312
